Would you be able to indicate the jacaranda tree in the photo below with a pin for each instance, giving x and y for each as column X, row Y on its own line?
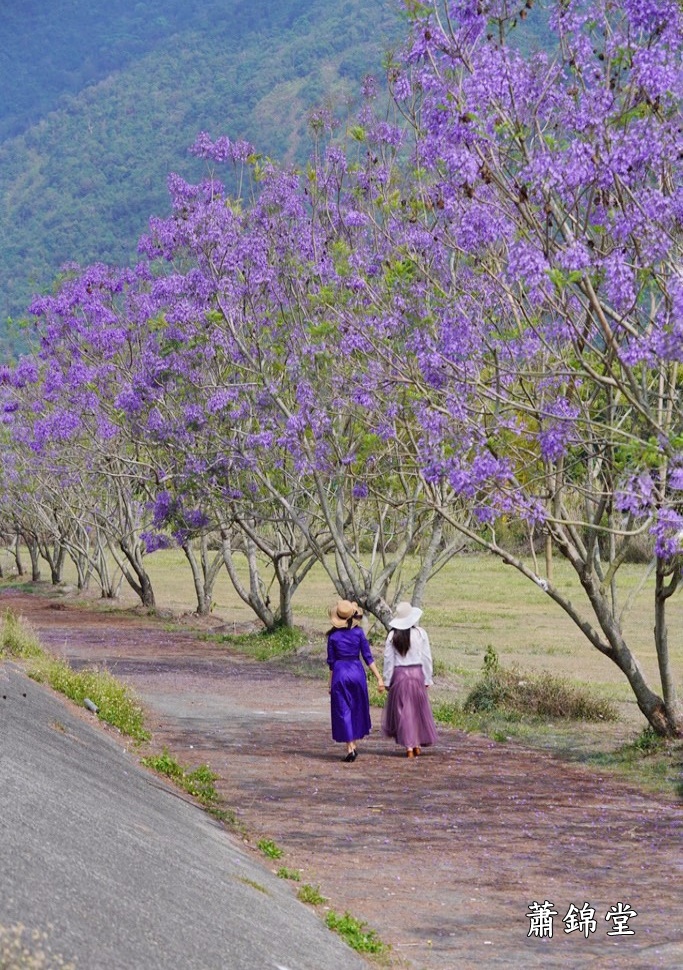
column 532, row 299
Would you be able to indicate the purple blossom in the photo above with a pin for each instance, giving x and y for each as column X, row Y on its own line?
column 26, row 372
column 221, row 399
column 619, row 281
column 164, row 507
column 154, row 541
column 637, row 495
column 196, row 518
column 401, row 88
column 369, row 88
column 668, row 532
column 528, row 267
column 652, row 15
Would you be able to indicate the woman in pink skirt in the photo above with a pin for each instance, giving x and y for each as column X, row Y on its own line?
column 407, row 674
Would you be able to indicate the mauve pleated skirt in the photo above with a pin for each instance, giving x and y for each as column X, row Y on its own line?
column 407, row 716
column 349, row 701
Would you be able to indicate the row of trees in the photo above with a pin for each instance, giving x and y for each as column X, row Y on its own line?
column 466, row 312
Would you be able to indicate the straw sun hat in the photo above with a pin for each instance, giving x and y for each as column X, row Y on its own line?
column 405, row 616
column 344, row 611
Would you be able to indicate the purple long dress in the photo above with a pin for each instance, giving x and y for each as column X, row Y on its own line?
column 349, row 701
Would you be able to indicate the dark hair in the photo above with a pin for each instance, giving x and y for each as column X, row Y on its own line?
column 401, row 641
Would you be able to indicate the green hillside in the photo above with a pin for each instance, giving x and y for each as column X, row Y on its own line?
column 100, row 101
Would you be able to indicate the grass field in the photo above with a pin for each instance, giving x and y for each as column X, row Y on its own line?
column 476, row 602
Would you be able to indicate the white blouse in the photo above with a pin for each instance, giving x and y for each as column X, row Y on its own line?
column 419, row 652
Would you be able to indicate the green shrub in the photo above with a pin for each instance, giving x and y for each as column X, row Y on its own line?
column 376, row 699
column 452, row 714
column 648, row 742
column 513, row 693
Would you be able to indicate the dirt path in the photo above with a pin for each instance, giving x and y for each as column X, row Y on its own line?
column 442, row 856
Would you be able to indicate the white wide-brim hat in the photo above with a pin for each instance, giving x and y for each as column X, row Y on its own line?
column 405, row 616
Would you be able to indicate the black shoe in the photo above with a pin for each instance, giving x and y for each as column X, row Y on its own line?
column 351, row 756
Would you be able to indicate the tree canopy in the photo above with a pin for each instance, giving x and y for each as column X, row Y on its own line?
column 464, row 312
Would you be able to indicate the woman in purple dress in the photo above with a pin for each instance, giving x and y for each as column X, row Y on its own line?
column 407, row 716
column 349, row 701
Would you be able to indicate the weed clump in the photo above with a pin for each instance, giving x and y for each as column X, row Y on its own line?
column 510, row 692
column 285, row 873
column 17, row 639
column 270, row 848
column 311, row 895
column 200, row 782
column 355, row 933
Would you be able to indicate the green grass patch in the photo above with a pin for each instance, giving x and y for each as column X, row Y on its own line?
column 270, row 848
column 355, row 933
column 440, row 668
column 267, row 644
column 451, row 714
column 285, row 873
column 311, row 895
column 649, row 761
column 115, row 702
column 377, row 699
column 254, row 885
column 198, row 782
column 17, row 640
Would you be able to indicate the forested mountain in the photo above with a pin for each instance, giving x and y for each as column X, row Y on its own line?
column 99, row 101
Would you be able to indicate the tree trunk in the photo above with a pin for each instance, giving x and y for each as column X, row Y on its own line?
column 17, row 556
column 204, row 573
column 549, row 558
column 138, row 579
column 34, row 554
column 429, row 560
column 57, row 566
column 664, row 720
column 672, row 712
column 285, row 612
column 54, row 555
column 253, row 596
column 651, row 705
